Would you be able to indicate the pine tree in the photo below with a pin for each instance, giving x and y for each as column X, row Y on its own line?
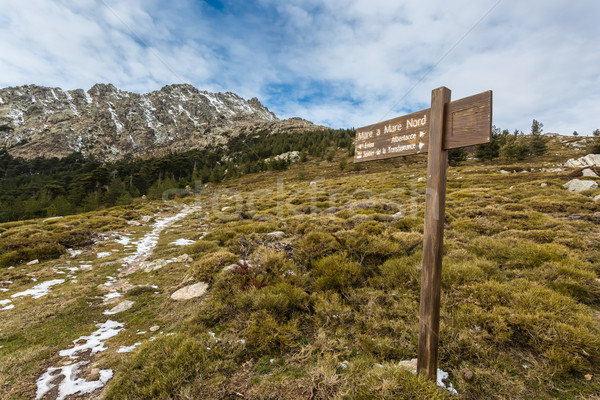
column 537, row 143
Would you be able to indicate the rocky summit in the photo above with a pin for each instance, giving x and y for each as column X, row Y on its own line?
column 110, row 123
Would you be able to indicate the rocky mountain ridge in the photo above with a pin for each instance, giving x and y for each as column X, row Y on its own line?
column 110, row 123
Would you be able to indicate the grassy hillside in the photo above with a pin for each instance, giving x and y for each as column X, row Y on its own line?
column 313, row 278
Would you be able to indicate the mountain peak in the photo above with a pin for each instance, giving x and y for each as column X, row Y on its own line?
column 109, row 123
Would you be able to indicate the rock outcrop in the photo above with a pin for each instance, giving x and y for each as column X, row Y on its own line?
column 591, row 160
column 110, row 123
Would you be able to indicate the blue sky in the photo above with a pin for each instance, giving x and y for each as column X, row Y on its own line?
column 343, row 63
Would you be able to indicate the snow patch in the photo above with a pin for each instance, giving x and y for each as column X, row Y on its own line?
column 128, row 349
column 110, row 296
column 103, row 254
column 148, row 110
column 147, row 243
column 16, row 116
column 115, row 119
column 94, row 342
column 88, row 98
column 124, row 240
column 182, row 242
column 39, row 290
column 70, row 384
column 6, row 305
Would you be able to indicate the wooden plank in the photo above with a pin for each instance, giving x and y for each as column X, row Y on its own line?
column 469, row 121
column 435, row 204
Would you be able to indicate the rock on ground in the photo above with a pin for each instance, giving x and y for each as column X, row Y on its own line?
column 154, row 265
column 589, row 173
column 276, row 234
column 578, row 185
column 591, row 160
column 122, row 306
column 189, row 292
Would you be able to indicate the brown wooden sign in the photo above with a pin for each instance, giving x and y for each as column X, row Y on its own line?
column 468, row 122
column 446, row 125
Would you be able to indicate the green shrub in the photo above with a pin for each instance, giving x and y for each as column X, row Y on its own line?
column 335, row 272
column 315, row 245
column 281, row 300
column 265, row 336
column 402, row 272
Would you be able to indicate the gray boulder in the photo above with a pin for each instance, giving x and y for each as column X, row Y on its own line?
column 578, row 185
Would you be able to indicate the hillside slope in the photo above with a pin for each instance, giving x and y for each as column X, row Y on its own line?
column 304, row 284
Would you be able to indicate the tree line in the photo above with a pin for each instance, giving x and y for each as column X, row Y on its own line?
column 44, row 187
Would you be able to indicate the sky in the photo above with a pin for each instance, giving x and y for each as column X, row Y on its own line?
column 339, row 63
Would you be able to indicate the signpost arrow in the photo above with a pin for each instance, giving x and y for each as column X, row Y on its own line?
column 446, row 125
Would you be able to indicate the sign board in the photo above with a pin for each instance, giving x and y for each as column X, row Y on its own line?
column 468, row 122
column 446, row 125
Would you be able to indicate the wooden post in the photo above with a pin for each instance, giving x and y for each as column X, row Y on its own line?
column 435, row 204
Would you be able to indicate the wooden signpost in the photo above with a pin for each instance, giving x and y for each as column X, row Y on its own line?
column 446, row 125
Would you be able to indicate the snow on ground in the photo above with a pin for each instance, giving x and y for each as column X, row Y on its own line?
column 39, row 290
column 74, row 253
column 104, row 254
column 124, row 240
column 71, row 384
column 441, row 376
column 6, row 305
column 110, row 296
column 182, row 242
column 147, row 243
column 94, row 342
column 128, row 349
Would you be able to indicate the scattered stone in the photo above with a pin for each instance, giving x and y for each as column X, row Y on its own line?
column 544, row 184
column 467, row 374
column 313, row 183
column 589, row 173
column 133, row 223
column 154, row 265
column 398, row 215
column 147, row 218
column 331, row 210
column 597, row 198
column 122, row 306
column 576, row 217
column 596, row 216
column 409, row 364
column 184, row 258
column 276, row 234
column 33, row 262
column 578, row 185
column 262, row 218
column 189, row 292
column 502, row 171
column 364, row 205
column 588, row 377
column 154, row 328
column 230, row 267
